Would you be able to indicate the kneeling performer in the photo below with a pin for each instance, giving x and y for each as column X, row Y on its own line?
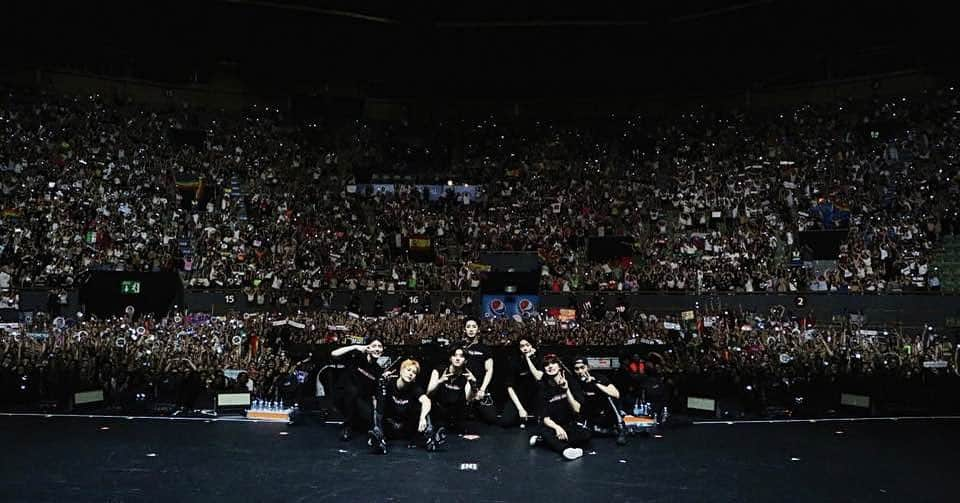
column 449, row 388
column 402, row 411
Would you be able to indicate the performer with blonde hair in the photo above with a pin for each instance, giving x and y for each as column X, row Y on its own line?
column 402, row 411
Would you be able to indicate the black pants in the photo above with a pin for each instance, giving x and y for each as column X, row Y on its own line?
column 603, row 418
column 577, row 436
column 450, row 414
column 511, row 416
column 357, row 408
column 398, row 426
column 483, row 410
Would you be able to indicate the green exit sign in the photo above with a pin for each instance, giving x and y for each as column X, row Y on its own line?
column 130, row 287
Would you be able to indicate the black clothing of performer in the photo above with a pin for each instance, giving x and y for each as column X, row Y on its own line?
column 477, row 354
column 527, row 389
column 397, row 416
column 355, row 390
column 449, row 402
column 556, row 407
column 598, row 411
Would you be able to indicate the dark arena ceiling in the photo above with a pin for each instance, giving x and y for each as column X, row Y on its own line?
column 491, row 48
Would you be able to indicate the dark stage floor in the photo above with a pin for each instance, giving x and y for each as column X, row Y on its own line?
column 110, row 459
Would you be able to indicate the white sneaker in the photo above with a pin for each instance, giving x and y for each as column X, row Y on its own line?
column 534, row 440
column 572, row 453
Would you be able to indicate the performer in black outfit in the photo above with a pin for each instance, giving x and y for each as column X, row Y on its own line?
column 523, row 386
column 599, row 412
column 402, row 410
column 561, row 404
column 480, row 363
column 357, row 385
column 449, row 388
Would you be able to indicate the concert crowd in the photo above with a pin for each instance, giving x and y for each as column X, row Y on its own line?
column 276, row 206
column 177, row 359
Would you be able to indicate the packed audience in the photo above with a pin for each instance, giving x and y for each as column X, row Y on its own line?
column 179, row 357
column 260, row 202
column 131, row 360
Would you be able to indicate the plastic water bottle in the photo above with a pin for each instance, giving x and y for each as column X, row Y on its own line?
column 281, row 404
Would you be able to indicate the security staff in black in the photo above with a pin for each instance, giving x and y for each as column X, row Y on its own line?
column 561, row 403
column 357, row 385
column 523, row 386
column 480, row 363
column 449, row 388
column 402, row 411
column 599, row 412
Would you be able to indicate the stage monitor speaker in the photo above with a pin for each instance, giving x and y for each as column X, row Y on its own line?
column 852, row 400
column 233, row 400
column 88, row 397
column 702, row 404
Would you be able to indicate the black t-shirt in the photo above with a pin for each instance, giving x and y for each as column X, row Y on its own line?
column 405, row 402
column 476, row 355
column 362, row 372
column 521, row 379
column 594, row 399
column 554, row 403
column 451, row 391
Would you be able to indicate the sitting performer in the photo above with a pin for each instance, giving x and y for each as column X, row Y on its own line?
column 356, row 386
column 561, row 404
column 599, row 411
column 449, row 388
column 480, row 363
column 523, row 386
column 402, row 410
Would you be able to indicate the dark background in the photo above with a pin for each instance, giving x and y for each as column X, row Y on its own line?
column 434, row 51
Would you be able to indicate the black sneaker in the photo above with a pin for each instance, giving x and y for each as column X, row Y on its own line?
column 534, row 440
column 346, row 434
column 378, row 445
